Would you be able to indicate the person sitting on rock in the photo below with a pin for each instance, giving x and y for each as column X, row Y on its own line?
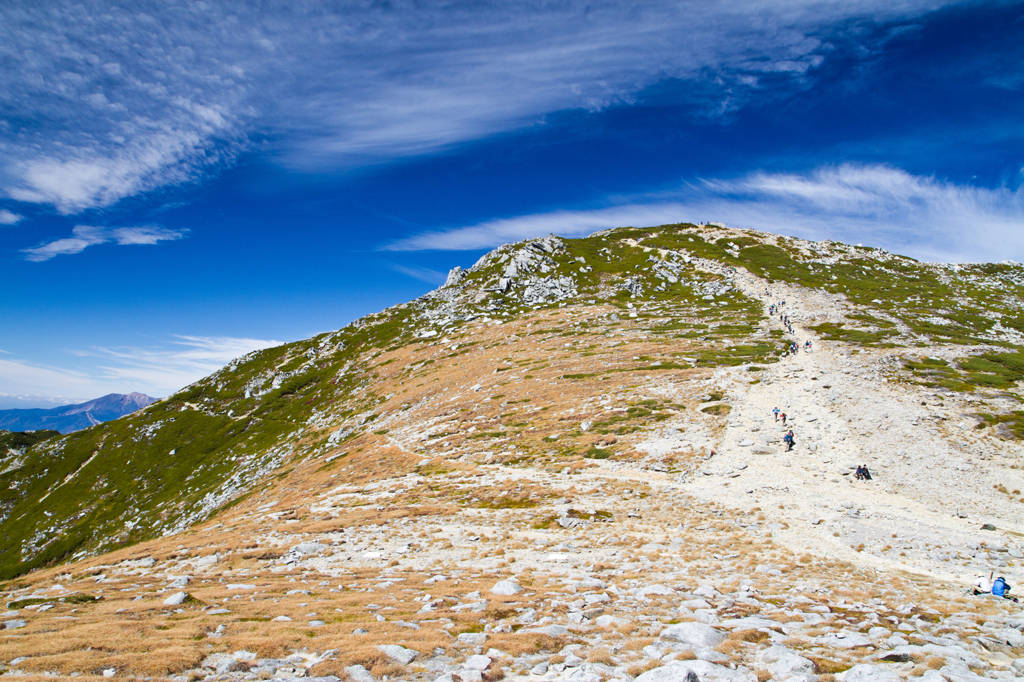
column 982, row 585
column 1001, row 588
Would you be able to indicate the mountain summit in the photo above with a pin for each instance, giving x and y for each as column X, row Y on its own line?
column 564, row 464
column 69, row 418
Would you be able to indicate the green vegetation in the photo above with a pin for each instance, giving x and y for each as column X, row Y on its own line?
column 990, row 370
column 631, row 420
column 1010, row 425
column 552, row 521
column 70, row 599
column 19, row 440
column 835, row 332
column 128, row 480
column 509, row 502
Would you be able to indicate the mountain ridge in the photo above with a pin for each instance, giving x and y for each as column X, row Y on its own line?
column 566, row 413
column 68, row 418
column 678, row 266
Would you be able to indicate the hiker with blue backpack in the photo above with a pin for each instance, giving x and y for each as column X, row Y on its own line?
column 1001, row 588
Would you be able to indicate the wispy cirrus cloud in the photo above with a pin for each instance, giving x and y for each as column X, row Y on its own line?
column 171, row 366
column 923, row 217
column 102, row 102
column 84, row 236
column 156, row 369
column 9, row 217
column 422, row 274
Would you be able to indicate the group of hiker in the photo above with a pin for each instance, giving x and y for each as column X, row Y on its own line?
column 794, row 347
column 776, row 308
column 862, row 473
column 998, row 587
column 789, row 439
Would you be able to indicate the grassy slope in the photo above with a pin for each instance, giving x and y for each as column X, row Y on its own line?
column 183, row 457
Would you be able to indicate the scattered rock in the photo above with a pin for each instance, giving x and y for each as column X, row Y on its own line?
column 789, row 665
column 357, row 673
column 506, row 587
column 866, row 672
column 221, row 663
column 550, row 630
column 473, row 638
column 694, row 671
column 694, row 634
column 398, row 653
column 176, row 599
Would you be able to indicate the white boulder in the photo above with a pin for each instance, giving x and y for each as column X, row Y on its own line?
column 694, row 634
column 176, row 599
column 506, row 587
column 398, row 653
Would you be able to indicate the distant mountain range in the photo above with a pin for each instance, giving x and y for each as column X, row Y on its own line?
column 68, row 418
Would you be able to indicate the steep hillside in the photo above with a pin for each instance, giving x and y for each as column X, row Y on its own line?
column 68, row 418
column 591, row 419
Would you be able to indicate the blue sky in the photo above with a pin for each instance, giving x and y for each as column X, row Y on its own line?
column 183, row 182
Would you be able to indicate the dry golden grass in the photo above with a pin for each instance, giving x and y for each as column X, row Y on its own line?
column 519, row 644
column 829, row 666
column 750, row 636
column 600, row 655
column 641, row 668
column 637, row 643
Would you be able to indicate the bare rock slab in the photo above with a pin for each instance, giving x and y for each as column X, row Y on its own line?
column 694, row 634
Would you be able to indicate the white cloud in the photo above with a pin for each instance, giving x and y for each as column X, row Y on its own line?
column 23, row 377
column 9, row 217
column 423, row 274
column 124, row 101
column 919, row 216
column 171, row 367
column 154, row 370
column 21, row 401
column 563, row 223
column 84, row 236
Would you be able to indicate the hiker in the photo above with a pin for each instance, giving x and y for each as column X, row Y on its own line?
column 864, row 470
column 783, row 415
column 776, row 413
column 982, row 585
column 789, row 440
column 1001, row 588
column 859, row 474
